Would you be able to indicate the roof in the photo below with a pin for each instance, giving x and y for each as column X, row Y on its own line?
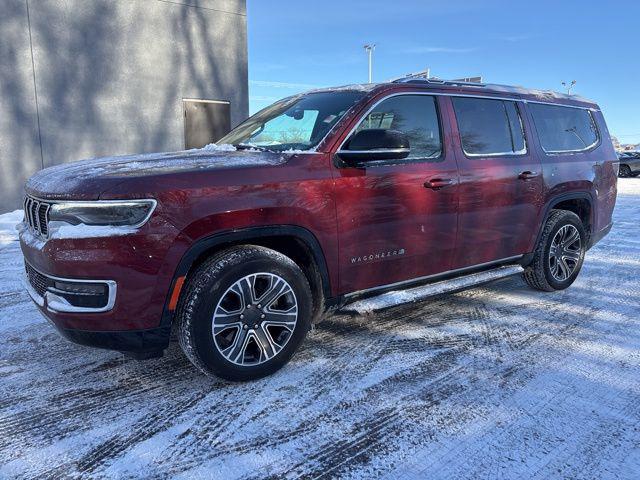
column 471, row 88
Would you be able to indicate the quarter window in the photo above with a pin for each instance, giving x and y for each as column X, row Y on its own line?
column 414, row 115
column 489, row 127
column 564, row 129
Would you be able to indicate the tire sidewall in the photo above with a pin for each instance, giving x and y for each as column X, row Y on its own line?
column 207, row 301
column 565, row 220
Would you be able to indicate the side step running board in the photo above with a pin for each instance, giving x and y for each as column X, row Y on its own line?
column 398, row 297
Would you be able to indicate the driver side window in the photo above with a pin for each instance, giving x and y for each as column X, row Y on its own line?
column 414, row 115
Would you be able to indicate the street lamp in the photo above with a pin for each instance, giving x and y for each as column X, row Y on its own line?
column 569, row 87
column 369, row 48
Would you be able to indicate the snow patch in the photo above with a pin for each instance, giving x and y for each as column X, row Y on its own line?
column 358, row 87
column 88, row 231
column 225, row 147
column 293, row 151
column 628, row 186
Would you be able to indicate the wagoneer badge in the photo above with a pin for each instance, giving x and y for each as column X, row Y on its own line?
column 377, row 256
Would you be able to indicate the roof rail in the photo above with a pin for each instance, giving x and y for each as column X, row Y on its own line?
column 422, row 77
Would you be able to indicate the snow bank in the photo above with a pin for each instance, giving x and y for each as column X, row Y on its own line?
column 8, row 223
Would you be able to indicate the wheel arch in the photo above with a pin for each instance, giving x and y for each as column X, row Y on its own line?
column 581, row 203
column 296, row 242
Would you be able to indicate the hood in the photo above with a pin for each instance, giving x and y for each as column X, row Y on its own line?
column 87, row 179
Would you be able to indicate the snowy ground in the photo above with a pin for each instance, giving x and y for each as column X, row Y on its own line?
column 496, row 382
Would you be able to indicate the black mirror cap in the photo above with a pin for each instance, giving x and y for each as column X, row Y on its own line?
column 378, row 139
column 376, row 144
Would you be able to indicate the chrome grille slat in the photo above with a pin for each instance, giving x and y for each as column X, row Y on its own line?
column 36, row 214
column 43, row 215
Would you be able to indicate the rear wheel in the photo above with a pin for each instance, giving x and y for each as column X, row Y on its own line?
column 559, row 254
column 244, row 313
column 625, row 171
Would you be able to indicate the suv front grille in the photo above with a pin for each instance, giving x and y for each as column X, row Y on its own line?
column 36, row 214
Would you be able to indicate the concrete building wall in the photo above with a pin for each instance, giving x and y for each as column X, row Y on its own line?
column 87, row 78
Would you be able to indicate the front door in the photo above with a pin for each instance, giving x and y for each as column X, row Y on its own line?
column 397, row 218
column 500, row 181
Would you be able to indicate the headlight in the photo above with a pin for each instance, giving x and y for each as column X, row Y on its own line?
column 129, row 213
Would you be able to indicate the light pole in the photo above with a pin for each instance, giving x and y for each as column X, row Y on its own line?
column 569, row 87
column 369, row 48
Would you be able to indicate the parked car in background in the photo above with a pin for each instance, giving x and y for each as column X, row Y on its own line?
column 629, row 164
column 319, row 200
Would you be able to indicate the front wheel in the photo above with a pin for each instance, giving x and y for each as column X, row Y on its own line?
column 244, row 313
column 559, row 254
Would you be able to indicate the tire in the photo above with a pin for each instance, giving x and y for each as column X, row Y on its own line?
column 556, row 262
column 625, row 171
column 223, row 296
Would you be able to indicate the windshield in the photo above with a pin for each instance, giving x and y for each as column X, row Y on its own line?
column 295, row 123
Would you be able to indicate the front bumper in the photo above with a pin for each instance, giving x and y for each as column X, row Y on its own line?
column 139, row 342
column 146, row 342
column 136, row 270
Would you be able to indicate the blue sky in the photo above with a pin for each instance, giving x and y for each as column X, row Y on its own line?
column 298, row 45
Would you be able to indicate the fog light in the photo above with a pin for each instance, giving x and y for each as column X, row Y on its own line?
column 81, row 294
column 81, row 288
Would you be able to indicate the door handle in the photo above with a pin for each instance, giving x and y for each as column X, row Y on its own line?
column 527, row 175
column 438, row 183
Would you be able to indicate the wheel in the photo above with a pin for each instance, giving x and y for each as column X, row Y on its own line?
column 625, row 171
column 244, row 313
column 559, row 255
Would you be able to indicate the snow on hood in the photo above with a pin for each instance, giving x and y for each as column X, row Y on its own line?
column 99, row 174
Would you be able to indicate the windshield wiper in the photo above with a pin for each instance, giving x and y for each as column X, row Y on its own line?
column 248, row 146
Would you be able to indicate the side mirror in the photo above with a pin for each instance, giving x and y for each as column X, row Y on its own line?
column 375, row 144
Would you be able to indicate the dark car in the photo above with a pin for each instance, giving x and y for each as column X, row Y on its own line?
column 629, row 164
column 317, row 201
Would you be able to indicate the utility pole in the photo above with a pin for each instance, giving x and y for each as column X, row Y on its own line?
column 369, row 48
column 569, row 87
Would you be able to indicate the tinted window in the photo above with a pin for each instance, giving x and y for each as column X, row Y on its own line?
column 414, row 115
column 564, row 129
column 489, row 127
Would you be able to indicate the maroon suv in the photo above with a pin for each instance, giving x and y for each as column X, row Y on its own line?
column 313, row 203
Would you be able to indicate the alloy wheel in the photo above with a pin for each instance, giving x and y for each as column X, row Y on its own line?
column 565, row 253
column 255, row 319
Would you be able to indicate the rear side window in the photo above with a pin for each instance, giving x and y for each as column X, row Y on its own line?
column 564, row 129
column 489, row 127
column 414, row 115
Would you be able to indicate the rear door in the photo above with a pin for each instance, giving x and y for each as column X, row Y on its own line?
column 501, row 183
column 394, row 225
